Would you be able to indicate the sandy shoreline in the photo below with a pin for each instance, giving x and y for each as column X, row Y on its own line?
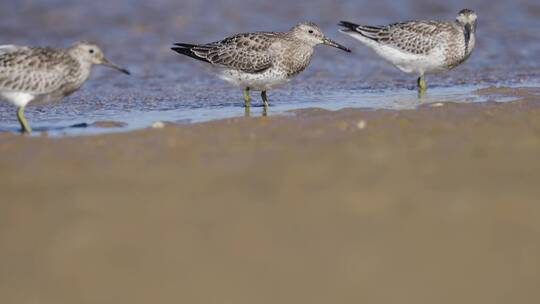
column 435, row 205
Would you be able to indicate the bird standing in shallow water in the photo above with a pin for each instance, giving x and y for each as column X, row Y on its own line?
column 420, row 47
column 263, row 60
column 41, row 75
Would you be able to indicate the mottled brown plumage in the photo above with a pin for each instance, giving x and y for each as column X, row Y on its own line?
column 420, row 46
column 417, row 37
column 261, row 60
column 47, row 73
column 44, row 74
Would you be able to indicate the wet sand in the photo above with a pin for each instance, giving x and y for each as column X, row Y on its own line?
column 138, row 34
column 434, row 205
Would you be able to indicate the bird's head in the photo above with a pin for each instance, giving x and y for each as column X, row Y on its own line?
column 91, row 53
column 312, row 35
column 467, row 18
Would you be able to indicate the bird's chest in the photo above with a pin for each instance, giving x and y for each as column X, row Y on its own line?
column 72, row 80
column 294, row 60
column 458, row 50
column 75, row 78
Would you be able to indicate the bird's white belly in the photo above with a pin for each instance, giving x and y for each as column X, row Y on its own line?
column 267, row 80
column 17, row 98
column 413, row 63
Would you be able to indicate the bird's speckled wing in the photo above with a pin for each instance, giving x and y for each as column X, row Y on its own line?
column 416, row 37
column 10, row 48
column 32, row 70
column 248, row 52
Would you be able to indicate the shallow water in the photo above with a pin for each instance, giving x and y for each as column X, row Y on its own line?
column 168, row 87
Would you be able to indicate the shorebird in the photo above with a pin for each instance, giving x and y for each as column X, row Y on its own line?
column 261, row 61
column 420, row 47
column 44, row 74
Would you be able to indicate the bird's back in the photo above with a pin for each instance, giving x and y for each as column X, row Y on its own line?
column 37, row 71
column 414, row 46
column 247, row 52
column 413, row 37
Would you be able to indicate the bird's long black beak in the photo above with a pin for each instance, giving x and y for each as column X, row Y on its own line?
column 468, row 31
column 329, row 42
column 109, row 64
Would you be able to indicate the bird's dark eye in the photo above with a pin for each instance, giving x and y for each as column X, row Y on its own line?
column 91, row 51
column 310, row 31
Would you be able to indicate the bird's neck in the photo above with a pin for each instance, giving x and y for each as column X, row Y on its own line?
column 78, row 74
column 299, row 56
column 469, row 36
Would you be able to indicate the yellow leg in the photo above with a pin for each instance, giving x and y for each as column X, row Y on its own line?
column 22, row 120
column 247, row 99
column 265, row 103
column 422, row 86
column 264, row 99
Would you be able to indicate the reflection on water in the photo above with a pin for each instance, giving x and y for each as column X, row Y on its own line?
column 396, row 99
column 167, row 87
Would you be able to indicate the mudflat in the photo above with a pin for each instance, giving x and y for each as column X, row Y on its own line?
column 435, row 205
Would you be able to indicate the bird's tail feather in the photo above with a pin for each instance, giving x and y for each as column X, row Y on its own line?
column 185, row 45
column 188, row 50
column 348, row 25
column 367, row 31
